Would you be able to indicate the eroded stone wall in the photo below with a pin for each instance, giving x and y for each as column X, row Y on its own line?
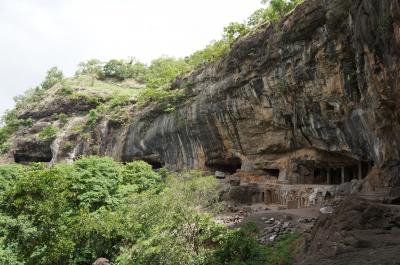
column 320, row 85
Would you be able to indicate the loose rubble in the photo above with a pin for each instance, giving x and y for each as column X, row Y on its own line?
column 278, row 227
column 231, row 221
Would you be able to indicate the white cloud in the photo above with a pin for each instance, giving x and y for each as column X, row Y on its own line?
column 38, row 34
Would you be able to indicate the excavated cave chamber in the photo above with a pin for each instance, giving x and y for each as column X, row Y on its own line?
column 29, row 151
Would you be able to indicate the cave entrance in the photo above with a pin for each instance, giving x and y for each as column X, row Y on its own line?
column 320, row 176
column 231, row 167
column 155, row 164
column 350, row 173
column 396, row 201
column 272, row 172
column 26, row 159
column 335, row 176
column 366, row 167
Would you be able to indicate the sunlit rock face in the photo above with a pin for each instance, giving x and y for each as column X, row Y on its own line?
column 299, row 100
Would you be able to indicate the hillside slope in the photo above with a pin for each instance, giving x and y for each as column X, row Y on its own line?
column 319, row 85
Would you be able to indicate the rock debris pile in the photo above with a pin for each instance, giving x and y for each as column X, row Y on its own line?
column 278, row 227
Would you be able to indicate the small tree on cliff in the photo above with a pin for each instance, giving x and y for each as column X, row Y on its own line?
column 275, row 10
column 54, row 75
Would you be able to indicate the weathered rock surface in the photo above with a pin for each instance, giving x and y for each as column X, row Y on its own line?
column 358, row 232
column 324, row 78
column 101, row 261
column 321, row 86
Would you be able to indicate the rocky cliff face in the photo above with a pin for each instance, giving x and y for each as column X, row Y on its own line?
column 358, row 232
column 321, row 85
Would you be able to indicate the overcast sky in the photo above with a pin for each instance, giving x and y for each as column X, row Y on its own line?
column 38, row 34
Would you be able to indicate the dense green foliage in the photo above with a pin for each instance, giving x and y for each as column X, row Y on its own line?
column 212, row 52
column 10, row 124
column 274, row 11
column 117, row 69
column 54, row 75
column 48, row 133
column 96, row 207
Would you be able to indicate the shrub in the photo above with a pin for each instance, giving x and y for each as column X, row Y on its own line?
column 115, row 69
column 274, row 11
column 8, row 174
column 120, row 116
column 282, row 251
column 10, row 124
column 94, row 116
column 5, row 147
column 235, row 30
column 119, row 100
column 48, row 133
column 65, row 90
column 212, row 52
column 61, row 117
column 68, row 147
column 159, row 96
column 121, row 70
column 240, row 246
column 141, row 175
column 91, row 67
column 54, row 75
column 164, row 70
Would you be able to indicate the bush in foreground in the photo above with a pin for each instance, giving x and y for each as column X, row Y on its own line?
column 130, row 214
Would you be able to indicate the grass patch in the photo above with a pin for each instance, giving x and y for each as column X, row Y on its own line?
column 89, row 85
column 282, row 251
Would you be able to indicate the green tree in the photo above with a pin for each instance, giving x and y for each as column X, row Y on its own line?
column 122, row 70
column 211, row 53
column 115, row 69
column 274, row 10
column 235, row 30
column 35, row 216
column 54, row 75
column 91, row 67
column 164, row 70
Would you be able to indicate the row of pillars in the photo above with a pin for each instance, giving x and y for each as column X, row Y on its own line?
column 359, row 175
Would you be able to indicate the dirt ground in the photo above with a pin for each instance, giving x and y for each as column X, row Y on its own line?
column 358, row 232
column 259, row 213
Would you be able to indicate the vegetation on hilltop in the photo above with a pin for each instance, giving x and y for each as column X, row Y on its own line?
column 156, row 77
column 103, row 82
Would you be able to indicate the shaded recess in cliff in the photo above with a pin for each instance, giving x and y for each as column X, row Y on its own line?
column 322, row 78
column 319, row 87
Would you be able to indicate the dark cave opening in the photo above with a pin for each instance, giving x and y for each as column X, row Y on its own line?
column 366, row 167
column 231, row 166
column 272, row 172
column 396, row 201
column 153, row 161
column 155, row 164
column 320, row 176
column 350, row 173
column 336, row 176
column 25, row 159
